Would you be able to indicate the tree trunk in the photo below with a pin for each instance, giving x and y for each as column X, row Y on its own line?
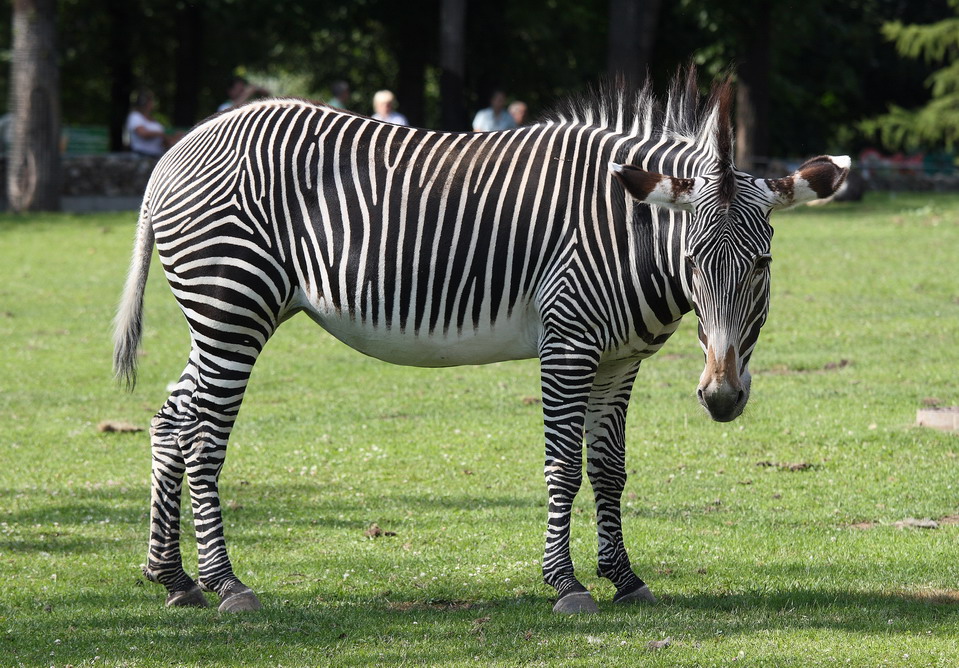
column 752, row 94
column 33, row 178
column 120, row 67
column 452, row 64
column 412, row 48
column 632, row 32
column 189, row 35
column 410, row 86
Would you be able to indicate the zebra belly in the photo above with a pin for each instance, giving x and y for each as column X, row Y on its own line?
column 513, row 339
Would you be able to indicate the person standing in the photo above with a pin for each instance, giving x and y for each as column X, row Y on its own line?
column 239, row 91
column 341, row 95
column 383, row 108
column 517, row 110
column 495, row 116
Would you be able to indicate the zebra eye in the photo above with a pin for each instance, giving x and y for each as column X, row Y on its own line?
column 762, row 262
column 690, row 260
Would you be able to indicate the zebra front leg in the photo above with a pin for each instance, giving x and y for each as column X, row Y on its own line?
column 567, row 376
column 164, row 564
column 222, row 382
column 606, row 467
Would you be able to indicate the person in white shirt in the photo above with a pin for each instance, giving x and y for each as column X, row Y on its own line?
column 495, row 116
column 147, row 135
column 383, row 103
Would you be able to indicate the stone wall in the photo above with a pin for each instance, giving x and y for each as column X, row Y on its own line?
column 106, row 175
column 102, row 182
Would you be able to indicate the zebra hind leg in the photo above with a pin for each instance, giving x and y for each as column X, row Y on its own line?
column 223, row 376
column 164, row 564
column 189, row 436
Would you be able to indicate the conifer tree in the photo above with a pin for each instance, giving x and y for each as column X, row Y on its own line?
column 937, row 122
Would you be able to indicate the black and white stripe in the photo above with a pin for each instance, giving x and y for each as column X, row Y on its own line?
column 437, row 249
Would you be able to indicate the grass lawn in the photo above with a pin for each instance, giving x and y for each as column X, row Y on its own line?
column 770, row 540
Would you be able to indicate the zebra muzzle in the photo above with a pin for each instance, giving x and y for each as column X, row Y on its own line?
column 721, row 391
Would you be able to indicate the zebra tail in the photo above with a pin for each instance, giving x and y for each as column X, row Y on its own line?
column 128, row 323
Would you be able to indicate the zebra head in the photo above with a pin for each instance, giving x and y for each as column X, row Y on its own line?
column 727, row 257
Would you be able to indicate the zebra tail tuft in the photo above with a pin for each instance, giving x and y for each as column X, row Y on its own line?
column 128, row 323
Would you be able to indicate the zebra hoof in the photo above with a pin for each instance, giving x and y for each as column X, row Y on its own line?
column 638, row 595
column 575, row 603
column 241, row 601
column 191, row 598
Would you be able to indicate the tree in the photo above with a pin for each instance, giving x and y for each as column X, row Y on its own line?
column 452, row 64
column 739, row 34
column 936, row 122
column 632, row 31
column 753, row 73
column 189, row 31
column 119, row 66
column 413, row 38
column 33, row 179
column 539, row 51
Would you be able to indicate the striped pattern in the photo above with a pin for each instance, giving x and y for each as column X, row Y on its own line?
column 436, row 249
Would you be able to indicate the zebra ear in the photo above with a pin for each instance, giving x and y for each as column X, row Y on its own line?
column 653, row 188
column 818, row 178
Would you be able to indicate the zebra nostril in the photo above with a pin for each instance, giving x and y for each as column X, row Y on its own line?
column 740, row 397
column 702, row 398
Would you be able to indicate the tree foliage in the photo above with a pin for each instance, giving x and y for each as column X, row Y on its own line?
column 830, row 66
column 936, row 122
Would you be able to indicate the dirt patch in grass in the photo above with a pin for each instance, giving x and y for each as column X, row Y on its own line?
column 655, row 645
column 933, row 596
column 433, row 604
column 787, row 466
column 393, row 416
column 117, row 427
column 910, row 523
column 374, row 531
column 785, row 370
column 913, row 523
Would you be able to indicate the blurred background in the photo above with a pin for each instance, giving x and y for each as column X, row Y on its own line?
column 876, row 79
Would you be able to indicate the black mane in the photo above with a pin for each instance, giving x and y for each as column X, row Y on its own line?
column 685, row 115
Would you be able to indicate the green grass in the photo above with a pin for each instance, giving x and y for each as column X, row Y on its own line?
column 755, row 564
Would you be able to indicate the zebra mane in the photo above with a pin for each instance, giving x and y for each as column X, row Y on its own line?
column 685, row 115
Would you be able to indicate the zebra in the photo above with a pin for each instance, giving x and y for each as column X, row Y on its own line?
column 581, row 240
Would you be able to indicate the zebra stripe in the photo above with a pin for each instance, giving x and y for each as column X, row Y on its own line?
column 437, row 249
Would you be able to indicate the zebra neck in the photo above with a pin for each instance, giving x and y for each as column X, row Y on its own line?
column 657, row 236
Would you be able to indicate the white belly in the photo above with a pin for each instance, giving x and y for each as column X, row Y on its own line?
column 509, row 339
